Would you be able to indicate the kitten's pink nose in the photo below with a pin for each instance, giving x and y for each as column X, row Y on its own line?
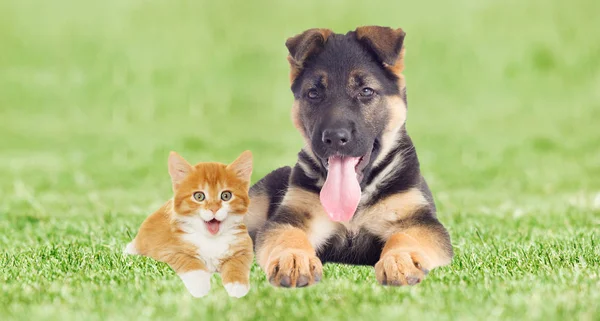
column 213, row 208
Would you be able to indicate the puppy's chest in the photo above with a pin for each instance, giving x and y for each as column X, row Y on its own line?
column 212, row 250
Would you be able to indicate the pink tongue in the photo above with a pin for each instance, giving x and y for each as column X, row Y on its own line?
column 340, row 194
column 213, row 226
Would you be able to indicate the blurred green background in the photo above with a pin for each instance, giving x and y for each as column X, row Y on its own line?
column 504, row 108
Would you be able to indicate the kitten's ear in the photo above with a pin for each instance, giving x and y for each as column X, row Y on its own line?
column 242, row 166
column 179, row 168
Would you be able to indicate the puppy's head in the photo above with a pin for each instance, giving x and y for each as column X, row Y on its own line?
column 349, row 102
column 349, row 91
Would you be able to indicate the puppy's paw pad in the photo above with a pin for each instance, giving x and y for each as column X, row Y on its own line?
column 236, row 289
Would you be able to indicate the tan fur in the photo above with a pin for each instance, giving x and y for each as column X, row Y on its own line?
column 304, row 45
column 287, row 250
column 380, row 35
column 398, row 67
column 367, row 81
column 296, row 117
column 381, row 218
column 413, row 244
column 174, row 233
column 255, row 218
column 396, row 114
column 408, row 256
column 302, row 199
column 429, row 245
column 384, row 40
column 401, row 261
column 397, row 117
column 297, row 121
column 318, row 225
column 294, row 69
column 287, row 253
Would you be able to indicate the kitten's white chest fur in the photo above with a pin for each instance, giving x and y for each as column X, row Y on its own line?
column 212, row 249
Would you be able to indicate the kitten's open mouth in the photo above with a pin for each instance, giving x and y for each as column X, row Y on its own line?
column 213, row 226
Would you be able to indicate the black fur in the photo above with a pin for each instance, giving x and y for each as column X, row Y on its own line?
column 300, row 179
column 274, row 186
column 327, row 90
column 313, row 164
column 339, row 104
column 406, row 176
column 361, row 248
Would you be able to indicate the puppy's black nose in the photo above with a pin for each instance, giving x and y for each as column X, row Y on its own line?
column 336, row 137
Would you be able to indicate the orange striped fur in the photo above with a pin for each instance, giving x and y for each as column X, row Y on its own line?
column 201, row 235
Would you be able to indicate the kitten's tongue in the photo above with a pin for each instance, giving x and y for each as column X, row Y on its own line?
column 341, row 192
column 213, row 226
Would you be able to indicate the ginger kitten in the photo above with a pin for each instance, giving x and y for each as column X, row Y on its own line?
column 200, row 231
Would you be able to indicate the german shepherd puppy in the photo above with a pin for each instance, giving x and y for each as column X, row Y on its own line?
column 356, row 194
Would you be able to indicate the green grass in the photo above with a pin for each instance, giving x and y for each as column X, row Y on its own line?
column 504, row 110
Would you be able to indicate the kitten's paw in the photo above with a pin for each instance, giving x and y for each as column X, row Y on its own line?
column 197, row 282
column 130, row 249
column 236, row 289
column 295, row 269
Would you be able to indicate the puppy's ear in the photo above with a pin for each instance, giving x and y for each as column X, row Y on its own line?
column 386, row 43
column 304, row 46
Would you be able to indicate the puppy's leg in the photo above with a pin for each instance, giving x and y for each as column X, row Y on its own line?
column 192, row 271
column 265, row 196
column 409, row 255
column 235, row 271
column 285, row 247
column 416, row 241
column 287, row 257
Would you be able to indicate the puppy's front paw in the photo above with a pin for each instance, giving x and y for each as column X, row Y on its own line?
column 401, row 268
column 294, row 268
column 197, row 282
column 236, row 289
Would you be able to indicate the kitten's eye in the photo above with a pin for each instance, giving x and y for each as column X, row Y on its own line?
column 312, row 94
column 226, row 196
column 366, row 92
column 199, row 196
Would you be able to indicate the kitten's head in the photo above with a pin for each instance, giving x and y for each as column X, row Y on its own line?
column 216, row 192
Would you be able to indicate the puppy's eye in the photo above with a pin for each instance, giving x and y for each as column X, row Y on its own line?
column 199, row 196
column 312, row 94
column 226, row 196
column 366, row 92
